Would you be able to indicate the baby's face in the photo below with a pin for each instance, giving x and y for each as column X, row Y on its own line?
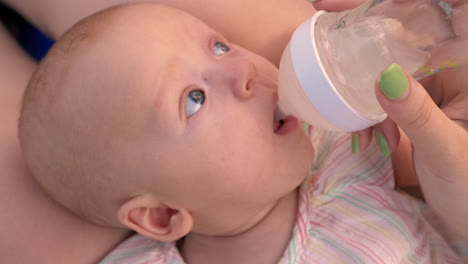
column 198, row 116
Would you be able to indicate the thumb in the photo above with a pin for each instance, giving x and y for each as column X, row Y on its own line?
column 408, row 104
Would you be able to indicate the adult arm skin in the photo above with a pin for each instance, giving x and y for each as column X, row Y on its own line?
column 263, row 27
column 33, row 228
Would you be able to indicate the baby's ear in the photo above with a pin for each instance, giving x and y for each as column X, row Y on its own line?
column 149, row 217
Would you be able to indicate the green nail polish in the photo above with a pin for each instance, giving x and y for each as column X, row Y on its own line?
column 393, row 82
column 312, row 0
column 382, row 143
column 355, row 143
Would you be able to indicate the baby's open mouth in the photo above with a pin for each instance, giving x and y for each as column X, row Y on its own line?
column 282, row 123
column 278, row 119
column 277, row 125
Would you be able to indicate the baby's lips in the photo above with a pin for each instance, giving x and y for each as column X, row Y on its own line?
column 289, row 124
column 283, row 123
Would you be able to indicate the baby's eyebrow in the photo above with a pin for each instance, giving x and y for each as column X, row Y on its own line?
column 168, row 72
column 164, row 81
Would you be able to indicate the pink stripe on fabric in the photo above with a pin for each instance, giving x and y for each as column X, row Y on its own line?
column 352, row 230
column 386, row 176
column 377, row 197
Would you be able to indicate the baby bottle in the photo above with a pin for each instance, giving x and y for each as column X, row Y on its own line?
column 329, row 68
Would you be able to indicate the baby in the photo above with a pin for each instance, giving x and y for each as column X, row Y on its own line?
column 143, row 117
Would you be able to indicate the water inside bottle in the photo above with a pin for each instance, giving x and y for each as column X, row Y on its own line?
column 354, row 51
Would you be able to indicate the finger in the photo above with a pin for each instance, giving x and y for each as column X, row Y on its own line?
column 460, row 18
column 386, row 133
column 457, row 109
column 387, row 136
column 403, row 163
column 336, row 5
column 407, row 103
column 361, row 140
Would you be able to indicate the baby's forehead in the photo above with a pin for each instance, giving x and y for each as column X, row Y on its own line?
column 137, row 30
column 155, row 32
column 159, row 18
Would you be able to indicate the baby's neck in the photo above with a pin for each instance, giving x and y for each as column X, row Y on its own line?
column 263, row 243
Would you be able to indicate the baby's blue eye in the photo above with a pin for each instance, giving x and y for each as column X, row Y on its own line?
column 220, row 48
column 194, row 102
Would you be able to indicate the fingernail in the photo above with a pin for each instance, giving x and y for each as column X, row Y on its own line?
column 393, row 82
column 382, row 143
column 355, row 143
column 312, row 1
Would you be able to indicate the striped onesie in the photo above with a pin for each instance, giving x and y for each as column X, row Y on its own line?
column 349, row 212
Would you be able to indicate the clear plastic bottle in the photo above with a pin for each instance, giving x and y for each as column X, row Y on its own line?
column 328, row 70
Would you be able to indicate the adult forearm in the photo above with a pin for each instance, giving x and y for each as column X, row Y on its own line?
column 263, row 27
column 33, row 228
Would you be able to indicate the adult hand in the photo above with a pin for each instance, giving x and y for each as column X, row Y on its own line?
column 434, row 119
column 440, row 143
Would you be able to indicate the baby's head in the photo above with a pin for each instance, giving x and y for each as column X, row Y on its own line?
column 142, row 116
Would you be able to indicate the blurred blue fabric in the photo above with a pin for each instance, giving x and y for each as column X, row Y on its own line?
column 30, row 38
column 34, row 42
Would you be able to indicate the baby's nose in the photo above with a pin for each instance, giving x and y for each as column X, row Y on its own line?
column 240, row 76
